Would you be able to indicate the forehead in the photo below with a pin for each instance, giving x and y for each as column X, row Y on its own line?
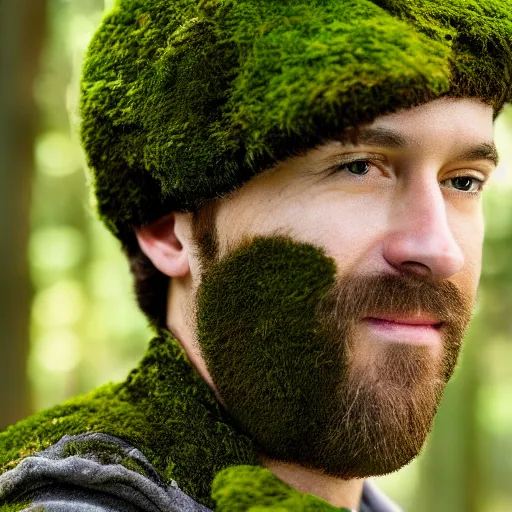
column 446, row 117
column 461, row 128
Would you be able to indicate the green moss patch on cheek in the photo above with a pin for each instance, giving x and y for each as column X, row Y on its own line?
column 260, row 337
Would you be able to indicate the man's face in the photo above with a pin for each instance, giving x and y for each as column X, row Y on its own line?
column 310, row 254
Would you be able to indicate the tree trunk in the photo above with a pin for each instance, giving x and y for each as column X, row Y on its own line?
column 22, row 24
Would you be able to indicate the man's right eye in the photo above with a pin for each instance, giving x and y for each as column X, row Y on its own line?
column 357, row 167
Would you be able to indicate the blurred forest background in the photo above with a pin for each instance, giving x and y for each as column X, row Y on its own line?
column 68, row 320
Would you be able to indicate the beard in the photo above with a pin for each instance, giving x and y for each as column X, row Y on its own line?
column 281, row 337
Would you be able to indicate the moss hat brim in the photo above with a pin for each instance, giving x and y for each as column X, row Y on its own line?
column 184, row 101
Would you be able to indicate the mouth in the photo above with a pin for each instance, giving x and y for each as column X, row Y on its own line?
column 418, row 320
column 418, row 330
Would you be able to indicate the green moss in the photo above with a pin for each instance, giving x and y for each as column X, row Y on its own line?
column 265, row 363
column 254, row 489
column 185, row 100
column 164, row 409
column 94, row 412
column 18, row 507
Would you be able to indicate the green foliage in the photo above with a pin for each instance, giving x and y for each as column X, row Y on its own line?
column 272, row 286
column 182, row 101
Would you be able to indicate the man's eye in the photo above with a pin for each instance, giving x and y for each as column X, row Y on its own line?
column 468, row 184
column 358, row 167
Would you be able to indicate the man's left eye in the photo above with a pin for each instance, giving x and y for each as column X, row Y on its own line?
column 467, row 184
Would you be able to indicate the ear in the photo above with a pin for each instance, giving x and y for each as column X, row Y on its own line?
column 166, row 246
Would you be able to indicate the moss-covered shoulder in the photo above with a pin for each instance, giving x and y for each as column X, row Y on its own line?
column 102, row 410
column 163, row 408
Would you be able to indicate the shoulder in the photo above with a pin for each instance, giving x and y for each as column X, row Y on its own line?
column 90, row 472
column 105, row 409
column 163, row 408
column 123, row 410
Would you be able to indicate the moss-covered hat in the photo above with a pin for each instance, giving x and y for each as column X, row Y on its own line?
column 184, row 100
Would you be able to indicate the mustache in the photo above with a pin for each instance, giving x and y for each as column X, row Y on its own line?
column 352, row 298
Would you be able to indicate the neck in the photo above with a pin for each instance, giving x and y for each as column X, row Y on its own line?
column 336, row 491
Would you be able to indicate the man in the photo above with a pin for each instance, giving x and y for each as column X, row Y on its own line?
column 298, row 188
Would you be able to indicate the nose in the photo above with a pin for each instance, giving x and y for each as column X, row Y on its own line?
column 420, row 239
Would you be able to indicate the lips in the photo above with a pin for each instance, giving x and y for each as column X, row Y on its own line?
column 421, row 320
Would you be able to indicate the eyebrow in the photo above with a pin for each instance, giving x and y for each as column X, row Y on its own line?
column 385, row 137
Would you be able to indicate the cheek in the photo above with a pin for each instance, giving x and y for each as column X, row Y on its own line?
column 470, row 237
column 195, row 272
column 472, row 229
column 346, row 227
column 473, row 268
column 238, row 218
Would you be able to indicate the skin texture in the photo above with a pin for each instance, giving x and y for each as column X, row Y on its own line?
column 404, row 217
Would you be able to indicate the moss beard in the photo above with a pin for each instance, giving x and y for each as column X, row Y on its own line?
column 277, row 329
